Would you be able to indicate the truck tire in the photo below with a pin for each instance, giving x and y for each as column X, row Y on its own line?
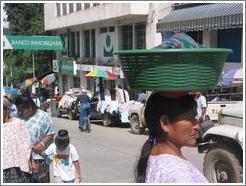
column 107, row 122
column 71, row 115
column 59, row 114
column 222, row 166
column 135, row 125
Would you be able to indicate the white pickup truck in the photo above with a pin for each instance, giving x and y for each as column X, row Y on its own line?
column 223, row 144
column 215, row 107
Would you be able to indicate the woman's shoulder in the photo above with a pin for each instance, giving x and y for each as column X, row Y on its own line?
column 16, row 122
column 174, row 169
column 164, row 159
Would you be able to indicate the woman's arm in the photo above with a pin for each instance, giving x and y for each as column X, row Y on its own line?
column 33, row 165
column 77, row 171
column 42, row 153
column 38, row 147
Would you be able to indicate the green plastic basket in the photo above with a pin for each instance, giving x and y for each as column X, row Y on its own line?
column 173, row 69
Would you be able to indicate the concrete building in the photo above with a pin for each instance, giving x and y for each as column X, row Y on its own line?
column 97, row 30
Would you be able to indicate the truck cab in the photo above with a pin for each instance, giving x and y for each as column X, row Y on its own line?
column 223, row 145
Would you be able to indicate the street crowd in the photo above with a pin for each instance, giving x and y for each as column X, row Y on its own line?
column 31, row 143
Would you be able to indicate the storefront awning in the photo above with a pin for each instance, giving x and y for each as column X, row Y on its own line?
column 204, row 17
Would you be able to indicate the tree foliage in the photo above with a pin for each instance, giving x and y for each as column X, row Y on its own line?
column 25, row 19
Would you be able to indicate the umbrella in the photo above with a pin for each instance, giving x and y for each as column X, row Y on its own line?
column 29, row 82
column 101, row 74
column 48, row 79
column 232, row 76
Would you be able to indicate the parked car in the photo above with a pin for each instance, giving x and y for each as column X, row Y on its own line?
column 136, row 115
column 67, row 106
column 107, row 114
column 216, row 106
column 223, row 144
column 106, row 118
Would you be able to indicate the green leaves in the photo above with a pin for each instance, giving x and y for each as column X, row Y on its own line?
column 25, row 19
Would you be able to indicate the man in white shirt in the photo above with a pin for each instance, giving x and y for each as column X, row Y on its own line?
column 201, row 106
column 202, row 113
column 122, row 95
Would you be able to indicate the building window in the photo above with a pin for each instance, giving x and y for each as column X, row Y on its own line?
column 64, row 8
column 70, row 7
column 93, row 43
column 64, row 82
column 231, row 38
column 78, row 6
column 127, row 35
column 86, row 5
column 96, row 4
column 140, row 36
column 87, row 43
column 111, row 29
column 72, row 48
column 76, row 82
column 64, row 43
column 58, row 9
column 78, row 44
column 103, row 30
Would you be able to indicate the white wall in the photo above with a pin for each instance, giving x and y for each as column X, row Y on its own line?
column 210, row 38
column 155, row 11
column 93, row 14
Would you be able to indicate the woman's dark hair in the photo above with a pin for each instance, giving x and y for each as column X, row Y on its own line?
column 62, row 139
column 25, row 101
column 6, row 107
column 160, row 105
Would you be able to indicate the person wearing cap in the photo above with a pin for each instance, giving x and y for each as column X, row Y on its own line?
column 84, row 107
column 171, row 121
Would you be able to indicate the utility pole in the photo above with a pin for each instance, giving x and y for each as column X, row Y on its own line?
column 33, row 65
column 11, row 75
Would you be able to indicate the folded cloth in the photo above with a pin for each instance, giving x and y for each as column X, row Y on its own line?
column 179, row 40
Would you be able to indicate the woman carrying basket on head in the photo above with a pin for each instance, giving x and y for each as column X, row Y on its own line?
column 172, row 124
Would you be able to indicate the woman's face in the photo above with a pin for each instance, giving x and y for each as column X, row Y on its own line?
column 183, row 133
column 25, row 112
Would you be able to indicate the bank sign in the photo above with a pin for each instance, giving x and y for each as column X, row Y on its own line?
column 32, row 42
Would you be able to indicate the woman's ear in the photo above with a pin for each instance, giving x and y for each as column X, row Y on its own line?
column 164, row 123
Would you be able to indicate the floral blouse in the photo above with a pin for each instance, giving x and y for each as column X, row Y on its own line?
column 16, row 145
column 167, row 168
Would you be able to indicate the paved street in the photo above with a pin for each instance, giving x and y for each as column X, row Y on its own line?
column 109, row 154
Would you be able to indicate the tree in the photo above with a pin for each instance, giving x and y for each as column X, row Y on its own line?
column 25, row 19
